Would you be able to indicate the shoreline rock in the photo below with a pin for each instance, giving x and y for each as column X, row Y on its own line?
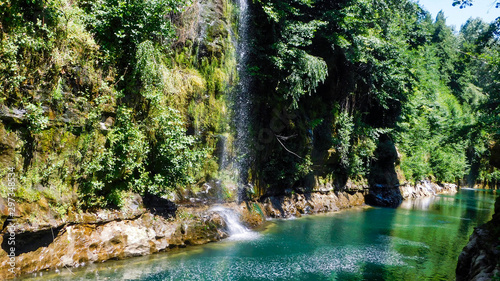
column 393, row 196
column 76, row 245
column 480, row 258
column 286, row 206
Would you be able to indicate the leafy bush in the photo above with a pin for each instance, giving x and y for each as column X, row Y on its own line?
column 119, row 165
column 149, row 70
column 449, row 163
column 302, row 72
column 155, row 157
column 355, row 143
column 37, row 121
column 121, row 26
column 174, row 160
column 345, row 127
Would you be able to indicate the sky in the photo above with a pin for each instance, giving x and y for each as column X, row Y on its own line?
column 455, row 16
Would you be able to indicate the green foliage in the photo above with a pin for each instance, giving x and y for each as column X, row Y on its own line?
column 449, row 163
column 393, row 71
column 150, row 70
column 355, row 143
column 120, row 26
column 116, row 168
column 174, row 161
column 377, row 47
column 156, row 157
column 304, row 72
column 300, row 72
column 285, row 170
column 350, row 71
column 362, row 154
column 37, row 121
column 465, row 3
column 30, row 26
column 462, row 3
column 127, row 148
column 345, row 126
column 428, row 136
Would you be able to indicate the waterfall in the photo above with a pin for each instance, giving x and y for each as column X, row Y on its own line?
column 242, row 97
column 235, row 229
column 235, row 154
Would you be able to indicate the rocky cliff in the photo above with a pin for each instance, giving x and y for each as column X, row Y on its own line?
column 480, row 258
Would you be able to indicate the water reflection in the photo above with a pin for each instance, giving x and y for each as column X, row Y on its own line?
column 418, row 203
column 421, row 240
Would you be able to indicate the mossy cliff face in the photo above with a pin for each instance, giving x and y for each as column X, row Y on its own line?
column 72, row 112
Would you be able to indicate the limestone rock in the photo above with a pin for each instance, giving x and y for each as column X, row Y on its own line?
column 79, row 244
column 309, row 203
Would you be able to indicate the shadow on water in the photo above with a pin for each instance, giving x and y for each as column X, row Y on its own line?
column 475, row 210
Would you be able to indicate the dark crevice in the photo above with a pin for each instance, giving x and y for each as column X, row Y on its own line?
column 159, row 206
column 29, row 241
column 6, row 223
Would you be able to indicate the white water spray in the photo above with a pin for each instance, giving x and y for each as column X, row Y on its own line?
column 235, row 229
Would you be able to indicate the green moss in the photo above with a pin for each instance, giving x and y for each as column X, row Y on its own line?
column 27, row 192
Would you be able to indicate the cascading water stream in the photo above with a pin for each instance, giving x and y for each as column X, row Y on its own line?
column 242, row 97
column 235, row 229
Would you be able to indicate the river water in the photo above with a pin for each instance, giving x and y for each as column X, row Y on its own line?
column 420, row 240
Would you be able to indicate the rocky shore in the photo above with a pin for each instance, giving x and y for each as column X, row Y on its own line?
column 392, row 196
column 142, row 229
column 480, row 258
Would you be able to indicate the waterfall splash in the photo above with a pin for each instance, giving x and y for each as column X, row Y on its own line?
column 235, row 229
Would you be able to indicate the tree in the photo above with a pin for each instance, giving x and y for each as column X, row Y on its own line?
column 464, row 3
